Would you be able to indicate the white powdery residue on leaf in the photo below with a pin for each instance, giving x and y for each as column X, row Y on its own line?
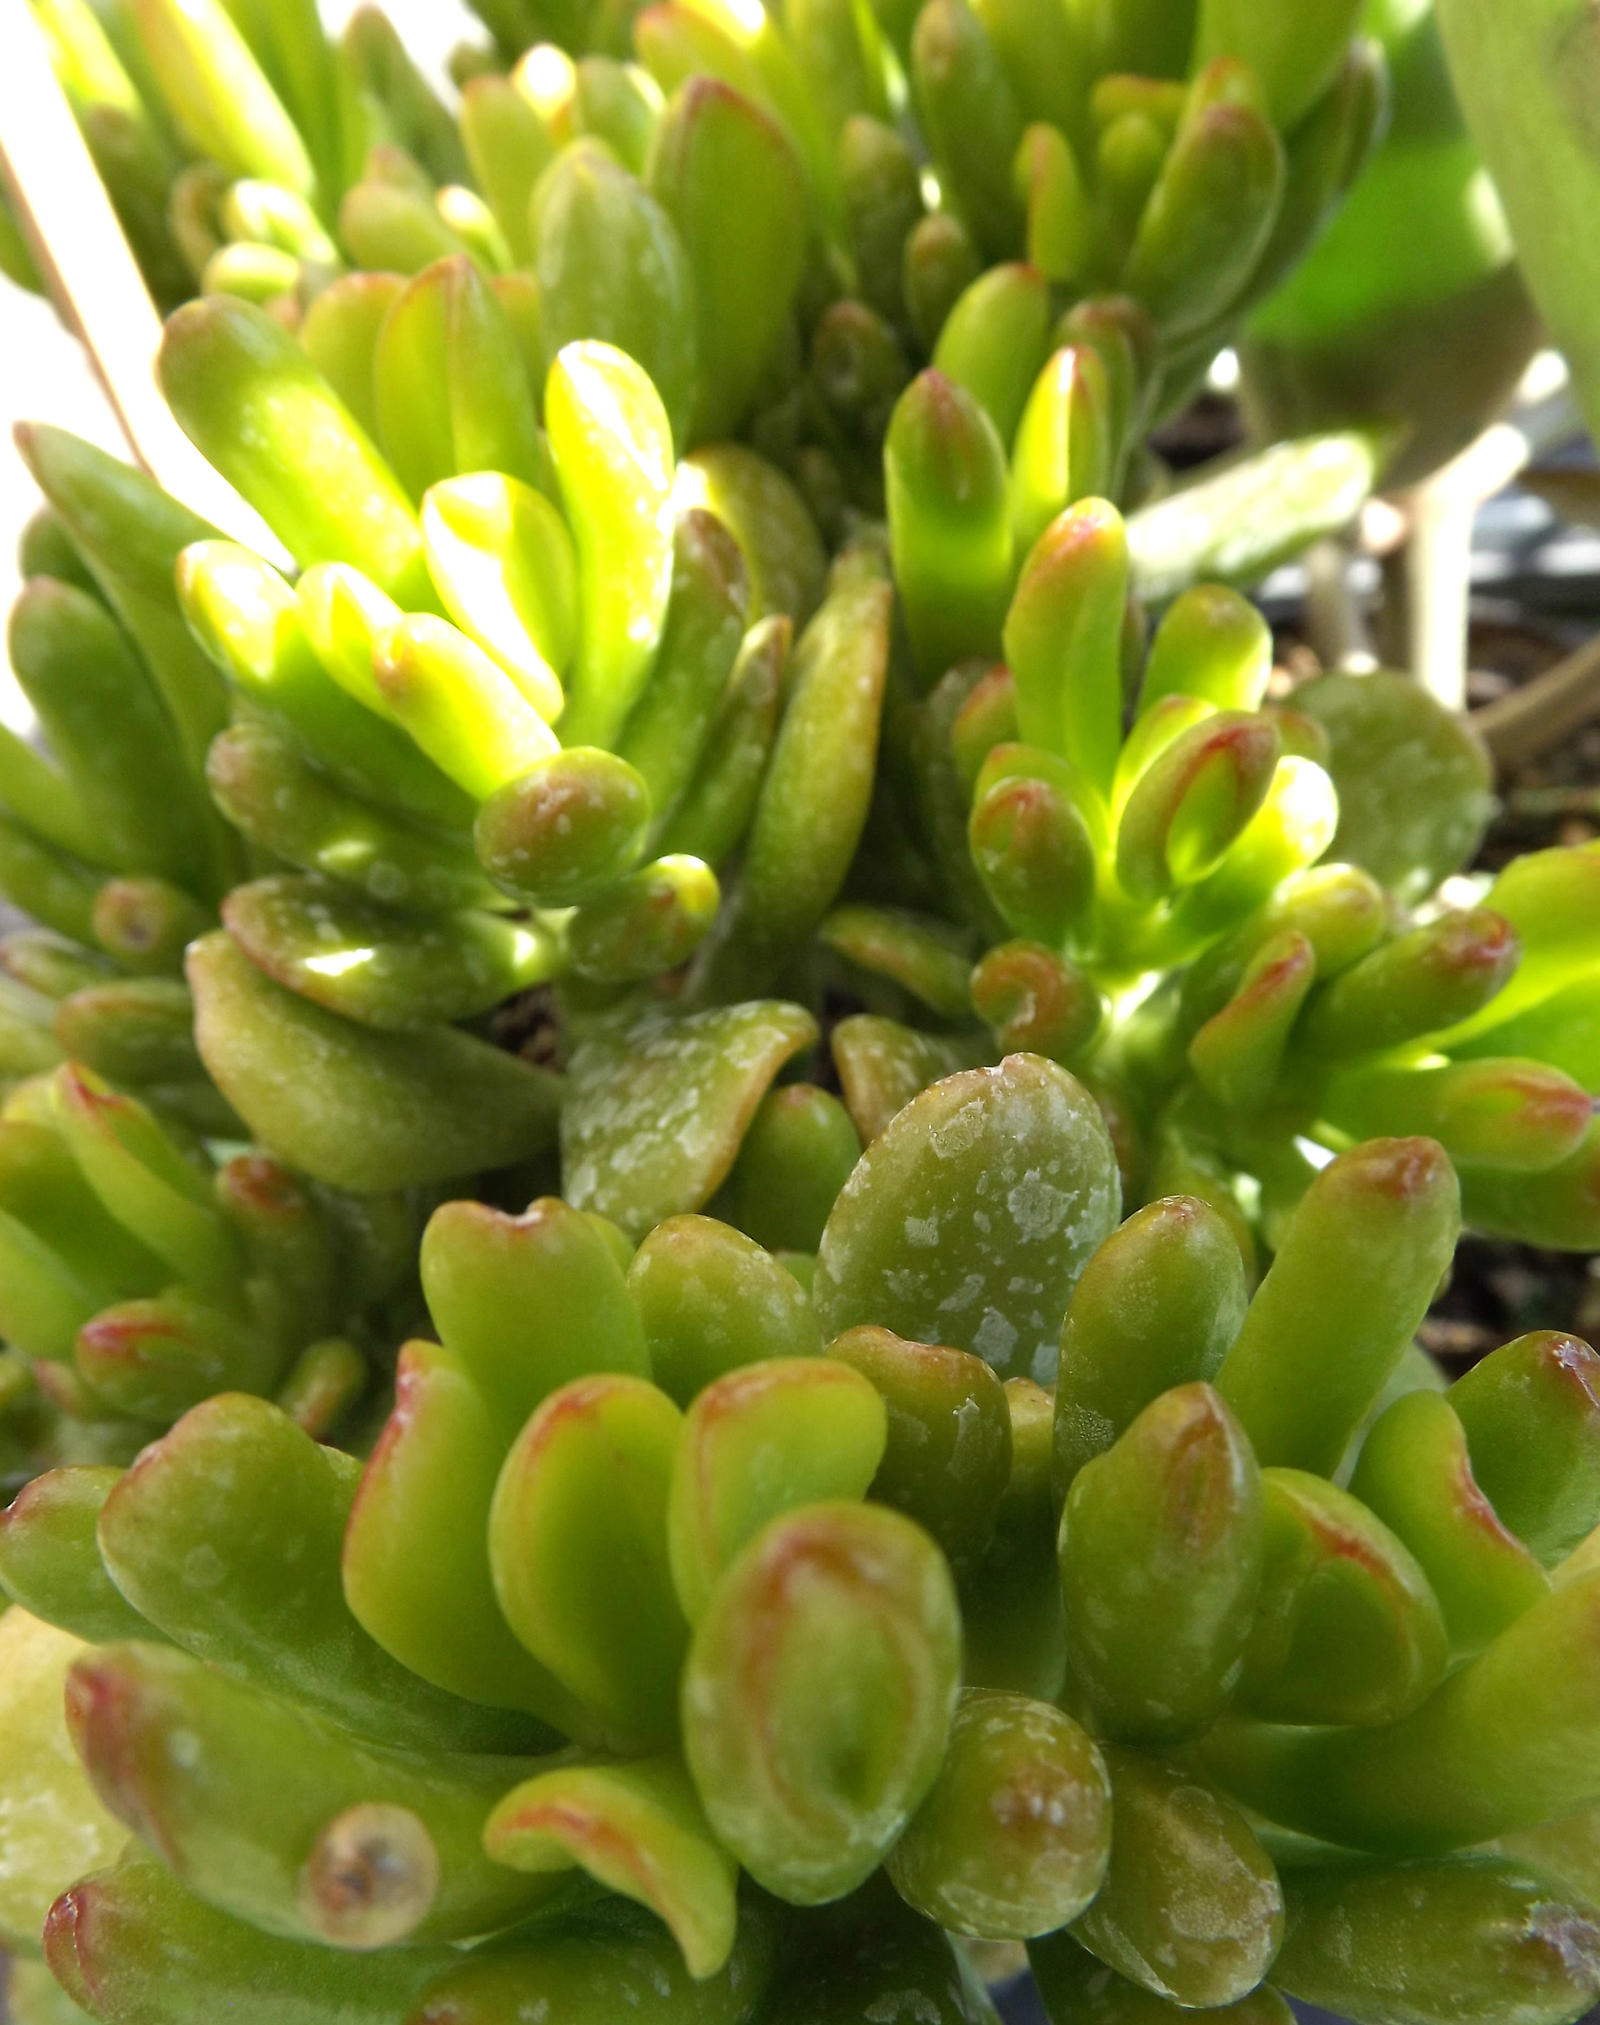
column 1038, row 1207
column 995, row 1338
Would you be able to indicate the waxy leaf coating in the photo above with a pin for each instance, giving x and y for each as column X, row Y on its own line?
column 833, row 1642
column 968, row 1220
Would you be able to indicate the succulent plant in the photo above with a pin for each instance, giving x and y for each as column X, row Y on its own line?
column 607, row 188
column 672, row 1585
column 942, row 1464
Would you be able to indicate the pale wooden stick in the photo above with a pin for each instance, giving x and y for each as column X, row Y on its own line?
column 1541, row 713
column 85, row 261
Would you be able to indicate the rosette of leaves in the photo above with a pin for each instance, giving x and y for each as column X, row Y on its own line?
column 739, row 200
column 539, row 787
column 143, row 1269
column 695, row 1642
column 1220, row 909
column 1182, row 158
column 108, row 839
column 231, row 141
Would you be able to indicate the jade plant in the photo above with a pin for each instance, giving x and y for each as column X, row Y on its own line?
column 723, row 1133
column 673, row 1585
column 780, row 214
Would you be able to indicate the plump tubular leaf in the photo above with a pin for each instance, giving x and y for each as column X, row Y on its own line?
column 529, row 1302
column 131, row 1943
column 1011, row 1163
column 1208, row 219
column 949, row 522
column 1348, row 1629
column 145, row 1182
column 813, row 801
column 416, row 1561
column 502, row 560
column 509, row 147
column 970, row 115
column 648, row 924
column 762, row 1440
column 217, row 91
column 43, row 1303
column 130, row 534
column 1031, row 843
column 1436, row 1938
column 995, row 341
column 386, row 970
column 1063, row 639
column 397, row 227
column 136, row 1031
column 711, row 1300
column 638, row 1830
column 470, row 717
column 939, row 261
column 1235, row 525
column 578, row 1547
column 1238, row 1054
column 947, row 1458
column 1531, row 1413
column 1356, row 1269
column 1161, row 1558
column 1548, row 899
column 150, row 1360
column 1076, row 1986
column 611, row 264
column 1510, row 1740
column 57, row 1825
column 52, row 888
column 50, row 1561
column 262, row 781
column 258, row 409
column 1517, row 1116
column 832, row 1642
column 340, row 335
column 784, row 558
column 1191, row 1909
column 883, row 1065
column 566, row 828
column 609, row 1961
column 257, row 1783
column 1292, row 67
column 287, row 655
column 1287, row 835
column 226, row 1535
column 1419, row 983
column 1213, row 644
column 1063, row 450
column 734, row 188
column 1035, row 1002
column 612, row 446
column 979, row 1865
column 1415, row 1474
column 1193, row 802
column 348, row 1105
column 449, row 391
column 657, row 1104
column 109, row 730
column 44, row 1187
column 796, row 1156
column 668, row 727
